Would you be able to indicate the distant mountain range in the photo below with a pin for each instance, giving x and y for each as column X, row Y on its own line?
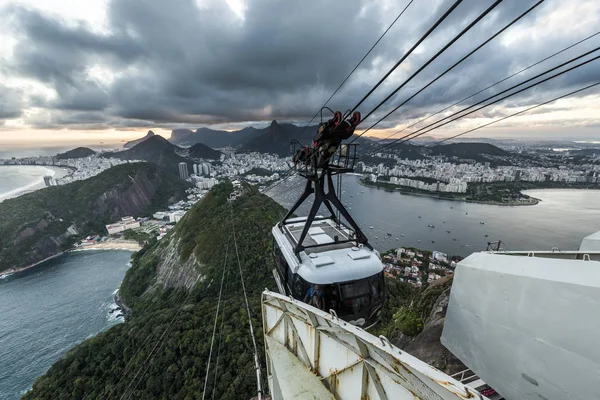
column 79, row 152
column 132, row 143
column 276, row 138
column 213, row 138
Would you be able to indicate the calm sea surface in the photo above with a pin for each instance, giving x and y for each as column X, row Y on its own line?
column 48, row 309
column 561, row 219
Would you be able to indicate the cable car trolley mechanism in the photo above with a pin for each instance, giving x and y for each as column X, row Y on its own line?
column 321, row 260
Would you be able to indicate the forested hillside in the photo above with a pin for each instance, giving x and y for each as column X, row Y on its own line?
column 37, row 225
column 176, row 322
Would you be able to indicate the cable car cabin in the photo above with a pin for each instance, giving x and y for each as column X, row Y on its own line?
column 333, row 272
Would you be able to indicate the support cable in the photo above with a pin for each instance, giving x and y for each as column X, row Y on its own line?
column 145, row 365
column 212, row 340
column 514, row 21
column 356, row 67
column 256, row 363
column 492, row 85
column 517, row 113
column 455, row 116
column 425, row 35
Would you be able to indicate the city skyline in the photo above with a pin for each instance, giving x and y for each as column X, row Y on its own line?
column 108, row 71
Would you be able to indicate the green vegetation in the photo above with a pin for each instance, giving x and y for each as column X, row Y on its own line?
column 139, row 236
column 39, row 224
column 407, row 308
column 408, row 321
column 105, row 366
column 258, row 171
column 79, row 152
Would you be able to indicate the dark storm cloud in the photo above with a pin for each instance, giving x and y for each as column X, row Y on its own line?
column 178, row 63
column 11, row 104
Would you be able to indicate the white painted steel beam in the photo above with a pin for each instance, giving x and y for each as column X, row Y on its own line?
column 308, row 348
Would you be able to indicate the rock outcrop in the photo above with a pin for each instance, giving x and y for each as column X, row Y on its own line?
column 426, row 346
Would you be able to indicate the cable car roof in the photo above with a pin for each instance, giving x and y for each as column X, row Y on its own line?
column 329, row 261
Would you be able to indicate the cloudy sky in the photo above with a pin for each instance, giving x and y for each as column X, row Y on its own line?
column 116, row 68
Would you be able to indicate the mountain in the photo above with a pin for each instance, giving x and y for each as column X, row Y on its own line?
column 277, row 137
column 40, row 224
column 200, row 150
column 467, row 150
column 155, row 149
column 172, row 290
column 138, row 141
column 213, row 138
column 79, row 152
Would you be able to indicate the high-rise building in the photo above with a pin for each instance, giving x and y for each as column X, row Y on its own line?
column 48, row 180
column 205, row 169
column 195, row 166
column 183, row 171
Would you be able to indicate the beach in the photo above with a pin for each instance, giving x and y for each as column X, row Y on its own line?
column 16, row 180
column 111, row 245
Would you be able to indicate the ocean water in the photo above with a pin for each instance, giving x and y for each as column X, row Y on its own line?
column 15, row 179
column 50, row 308
column 561, row 219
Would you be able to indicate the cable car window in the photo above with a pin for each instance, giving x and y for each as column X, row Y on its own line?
column 355, row 289
column 375, row 285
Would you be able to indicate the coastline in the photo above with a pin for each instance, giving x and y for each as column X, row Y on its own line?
column 489, row 203
column 128, row 245
column 7, row 273
column 122, row 245
column 55, row 171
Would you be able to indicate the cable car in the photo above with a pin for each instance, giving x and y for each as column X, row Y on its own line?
column 324, row 260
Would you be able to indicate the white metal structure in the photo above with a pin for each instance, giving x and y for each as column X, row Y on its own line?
column 527, row 322
column 312, row 354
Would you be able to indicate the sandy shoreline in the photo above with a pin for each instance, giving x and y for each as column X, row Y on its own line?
column 54, row 171
column 108, row 245
column 111, row 245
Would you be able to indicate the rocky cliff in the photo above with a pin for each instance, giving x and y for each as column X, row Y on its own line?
column 432, row 304
column 41, row 224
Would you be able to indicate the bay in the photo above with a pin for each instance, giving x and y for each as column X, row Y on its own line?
column 48, row 309
column 561, row 219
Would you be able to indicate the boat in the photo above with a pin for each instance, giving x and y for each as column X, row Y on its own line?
column 447, row 230
column 481, row 222
column 397, row 238
column 419, row 240
column 419, row 216
column 389, row 234
column 402, row 234
column 466, row 213
column 487, row 235
column 433, row 241
column 371, row 227
column 431, row 225
column 454, row 240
